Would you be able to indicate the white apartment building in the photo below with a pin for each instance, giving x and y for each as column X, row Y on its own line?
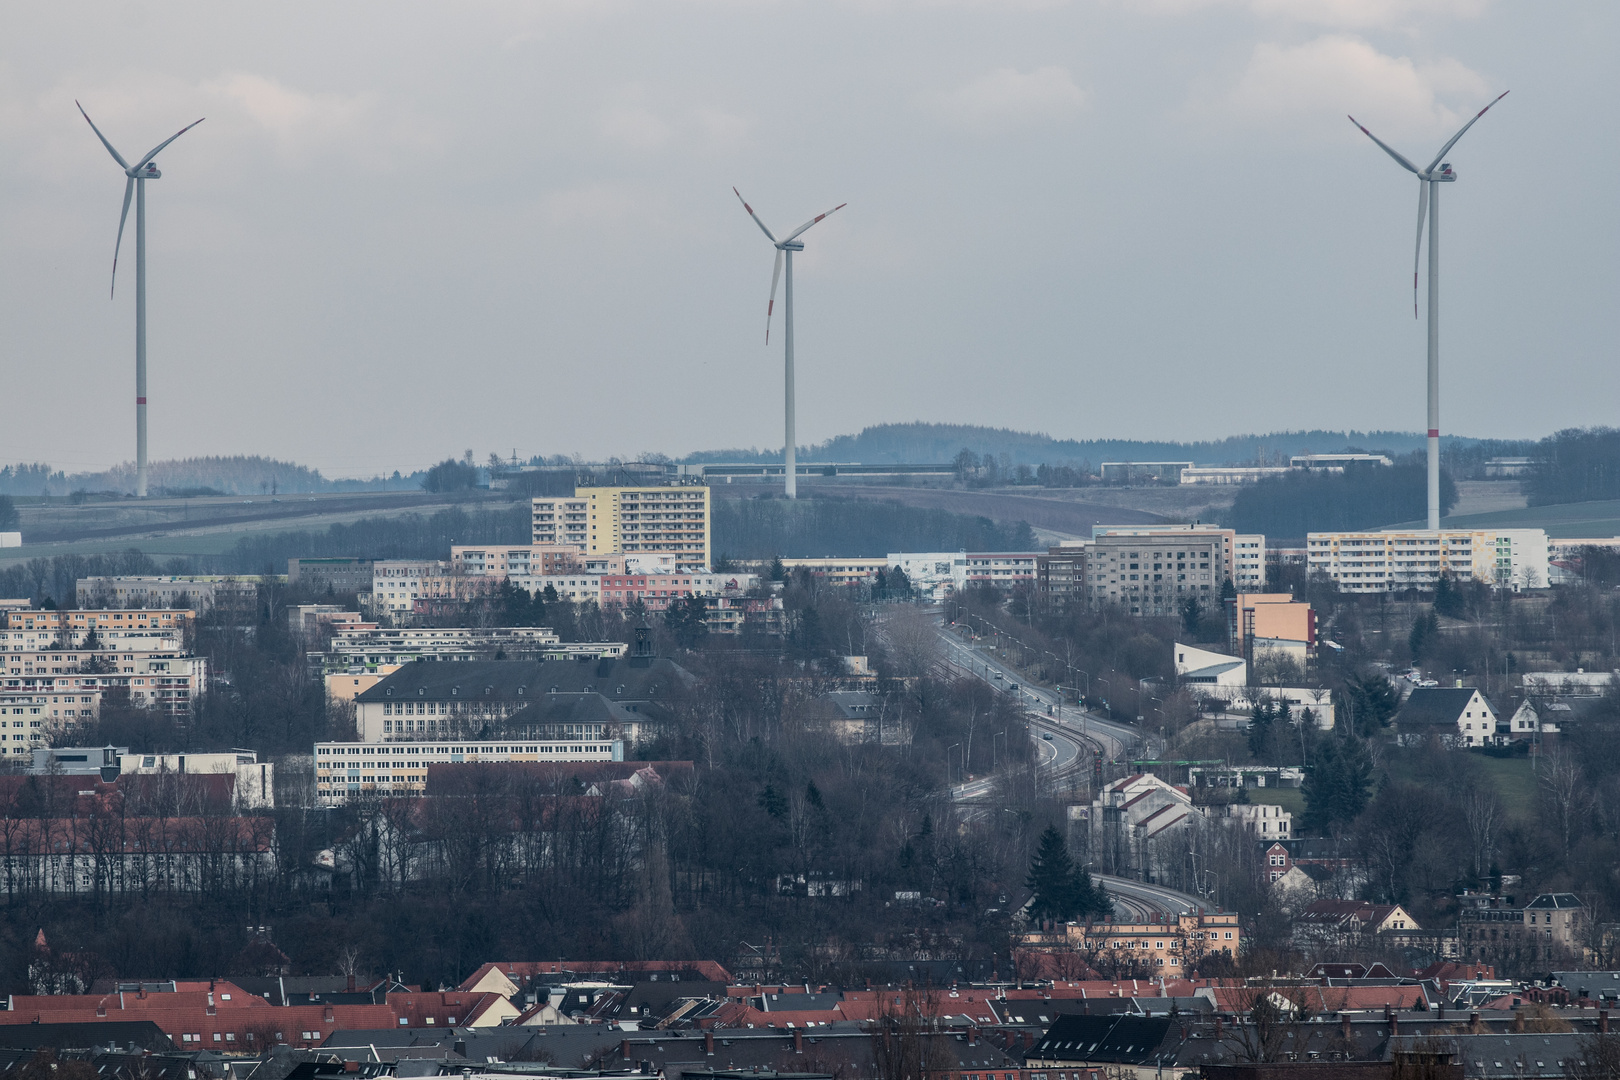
column 564, row 521
column 1249, row 562
column 579, row 588
column 1268, row 822
column 170, row 681
column 32, row 712
column 1369, row 562
column 198, row 591
column 345, row 771
column 1003, row 569
column 506, row 560
column 372, row 648
column 396, row 584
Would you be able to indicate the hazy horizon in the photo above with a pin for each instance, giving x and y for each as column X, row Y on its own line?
column 407, row 230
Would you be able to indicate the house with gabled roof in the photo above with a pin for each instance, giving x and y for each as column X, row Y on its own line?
column 1458, row 715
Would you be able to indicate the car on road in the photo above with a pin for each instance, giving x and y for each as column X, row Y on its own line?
column 1046, row 736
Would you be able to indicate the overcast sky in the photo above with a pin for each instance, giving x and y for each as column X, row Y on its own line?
column 409, row 229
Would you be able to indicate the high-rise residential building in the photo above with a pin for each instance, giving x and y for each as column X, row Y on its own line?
column 1152, row 572
column 669, row 519
column 1367, row 562
column 1243, row 555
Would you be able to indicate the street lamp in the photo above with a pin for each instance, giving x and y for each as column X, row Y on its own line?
column 948, row 750
column 994, row 758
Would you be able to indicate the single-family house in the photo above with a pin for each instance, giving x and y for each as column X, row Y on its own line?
column 1459, row 715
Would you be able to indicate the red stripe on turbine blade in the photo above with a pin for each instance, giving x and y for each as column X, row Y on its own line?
column 770, row 307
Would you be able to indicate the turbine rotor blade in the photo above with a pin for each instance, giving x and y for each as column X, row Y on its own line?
column 753, row 215
column 1417, row 255
column 1407, row 165
column 1446, row 148
column 129, row 190
column 776, row 274
column 814, row 220
column 142, row 163
column 116, row 156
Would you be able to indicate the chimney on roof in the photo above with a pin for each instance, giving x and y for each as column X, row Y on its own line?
column 459, row 1048
column 1218, row 1031
column 624, row 1048
column 1344, row 1026
column 1029, row 1040
column 708, row 1043
column 1473, row 1019
column 798, row 1040
column 1603, row 1021
column 351, row 982
column 973, row 1035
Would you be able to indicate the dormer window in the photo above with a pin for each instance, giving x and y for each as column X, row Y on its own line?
column 389, row 692
column 520, row 691
column 553, row 690
column 454, row 690
column 421, row 692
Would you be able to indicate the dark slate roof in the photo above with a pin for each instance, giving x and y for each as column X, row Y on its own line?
column 622, row 679
column 143, row 1034
column 1435, row 706
column 575, row 708
column 1122, row 1038
column 1514, row 1054
column 1559, row 900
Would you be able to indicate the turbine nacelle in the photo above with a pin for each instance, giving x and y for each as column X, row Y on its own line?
column 791, row 245
column 151, row 172
column 1443, row 174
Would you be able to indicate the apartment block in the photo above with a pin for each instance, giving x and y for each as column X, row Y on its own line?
column 506, row 560
column 672, row 519
column 1172, row 948
column 369, row 649
column 562, row 521
column 198, row 592
column 1368, row 562
column 101, row 621
column 1240, row 553
column 1151, row 573
column 840, row 571
column 340, row 575
column 345, row 771
column 1002, row 569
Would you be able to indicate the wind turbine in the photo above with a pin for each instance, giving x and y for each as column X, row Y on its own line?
column 1429, row 181
column 135, row 184
column 785, row 247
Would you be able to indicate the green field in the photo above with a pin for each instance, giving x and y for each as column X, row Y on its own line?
column 1513, row 779
column 1290, row 799
column 1566, row 520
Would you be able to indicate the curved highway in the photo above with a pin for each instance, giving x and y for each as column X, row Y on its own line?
column 1071, row 737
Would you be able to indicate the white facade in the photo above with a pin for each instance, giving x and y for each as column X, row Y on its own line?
column 1249, row 562
column 1391, row 561
column 579, row 588
column 1267, row 821
column 198, row 592
column 255, row 779
column 346, row 771
column 396, row 584
column 561, row 521
column 932, row 571
column 1239, row 474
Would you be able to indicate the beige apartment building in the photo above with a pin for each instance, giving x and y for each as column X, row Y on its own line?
column 1368, row 562
column 1170, row 948
column 670, row 519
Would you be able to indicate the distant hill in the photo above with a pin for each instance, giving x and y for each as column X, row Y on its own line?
column 239, row 475
column 919, row 442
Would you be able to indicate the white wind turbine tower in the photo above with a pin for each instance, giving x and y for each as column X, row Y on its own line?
column 785, row 247
column 1429, row 181
column 135, row 184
